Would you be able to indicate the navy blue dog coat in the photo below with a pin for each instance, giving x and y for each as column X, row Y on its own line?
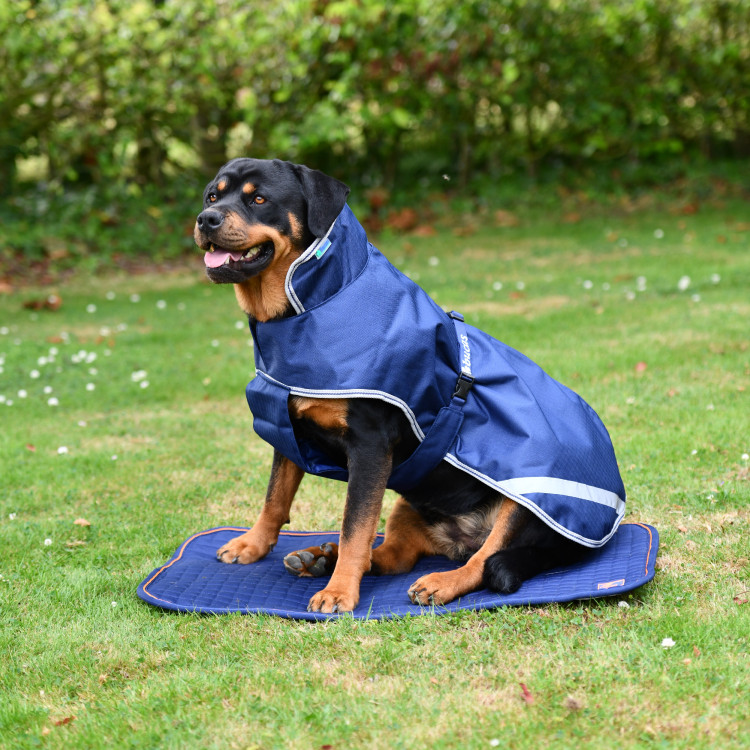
column 362, row 329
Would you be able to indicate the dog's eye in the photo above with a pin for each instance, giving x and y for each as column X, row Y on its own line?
column 259, row 200
column 212, row 197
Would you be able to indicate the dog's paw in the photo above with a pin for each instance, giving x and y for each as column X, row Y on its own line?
column 243, row 549
column 333, row 599
column 437, row 588
column 313, row 561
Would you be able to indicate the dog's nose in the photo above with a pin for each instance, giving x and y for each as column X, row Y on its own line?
column 210, row 219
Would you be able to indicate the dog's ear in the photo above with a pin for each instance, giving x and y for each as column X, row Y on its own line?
column 325, row 198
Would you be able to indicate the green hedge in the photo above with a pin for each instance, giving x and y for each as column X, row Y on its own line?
column 130, row 92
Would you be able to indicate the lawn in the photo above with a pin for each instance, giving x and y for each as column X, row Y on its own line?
column 124, row 430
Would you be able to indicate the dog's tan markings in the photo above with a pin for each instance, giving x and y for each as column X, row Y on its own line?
column 329, row 413
column 222, row 185
column 263, row 296
column 248, row 188
column 407, row 539
column 295, row 225
column 441, row 588
column 259, row 541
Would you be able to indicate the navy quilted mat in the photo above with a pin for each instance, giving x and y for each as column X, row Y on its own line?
column 194, row 581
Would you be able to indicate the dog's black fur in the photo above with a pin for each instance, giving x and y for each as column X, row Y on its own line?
column 273, row 210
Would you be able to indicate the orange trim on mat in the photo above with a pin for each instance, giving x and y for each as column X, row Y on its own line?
column 304, row 533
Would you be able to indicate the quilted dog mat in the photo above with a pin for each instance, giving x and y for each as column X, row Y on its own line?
column 193, row 580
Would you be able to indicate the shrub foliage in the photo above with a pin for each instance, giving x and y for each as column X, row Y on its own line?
column 127, row 91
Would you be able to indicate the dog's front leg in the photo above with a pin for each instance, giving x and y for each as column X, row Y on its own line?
column 369, row 470
column 260, row 540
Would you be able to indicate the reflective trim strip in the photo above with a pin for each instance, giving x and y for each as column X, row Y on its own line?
column 353, row 393
column 553, row 486
column 309, row 254
column 508, row 489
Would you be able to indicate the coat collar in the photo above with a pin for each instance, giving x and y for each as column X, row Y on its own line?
column 329, row 264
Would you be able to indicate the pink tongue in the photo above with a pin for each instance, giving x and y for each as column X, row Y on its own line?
column 218, row 258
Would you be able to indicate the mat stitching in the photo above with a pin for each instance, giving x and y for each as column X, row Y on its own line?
column 177, row 557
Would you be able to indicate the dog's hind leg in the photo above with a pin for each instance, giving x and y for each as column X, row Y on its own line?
column 441, row 588
column 406, row 540
column 260, row 540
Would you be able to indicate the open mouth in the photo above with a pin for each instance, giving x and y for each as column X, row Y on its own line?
column 218, row 257
column 236, row 266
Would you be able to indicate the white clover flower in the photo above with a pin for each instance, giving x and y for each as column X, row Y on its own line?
column 110, row 296
column 239, row 325
column 2, row 398
column 623, row 604
column 520, row 286
column 497, row 286
column 144, row 383
column 34, row 374
column 135, row 297
column 715, row 278
column 683, row 283
column 90, row 386
column 434, row 261
column 53, row 401
column 138, row 375
column 12, row 516
column 588, row 284
column 47, row 389
column 62, row 450
column 667, row 643
column 659, row 233
column 4, row 331
column 161, row 304
column 745, row 456
column 42, row 361
column 215, row 343
column 91, row 308
column 82, row 423
column 47, row 543
column 22, row 393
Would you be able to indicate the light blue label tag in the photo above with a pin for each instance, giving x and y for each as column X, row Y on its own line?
column 320, row 252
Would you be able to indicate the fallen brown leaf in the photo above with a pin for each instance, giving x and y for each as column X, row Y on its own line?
column 63, row 722
column 527, row 696
column 81, row 522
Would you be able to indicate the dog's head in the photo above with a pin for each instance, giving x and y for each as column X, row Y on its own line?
column 259, row 215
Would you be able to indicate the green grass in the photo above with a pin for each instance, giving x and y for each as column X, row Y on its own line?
column 667, row 369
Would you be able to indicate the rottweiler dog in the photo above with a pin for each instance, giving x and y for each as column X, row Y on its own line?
column 258, row 217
